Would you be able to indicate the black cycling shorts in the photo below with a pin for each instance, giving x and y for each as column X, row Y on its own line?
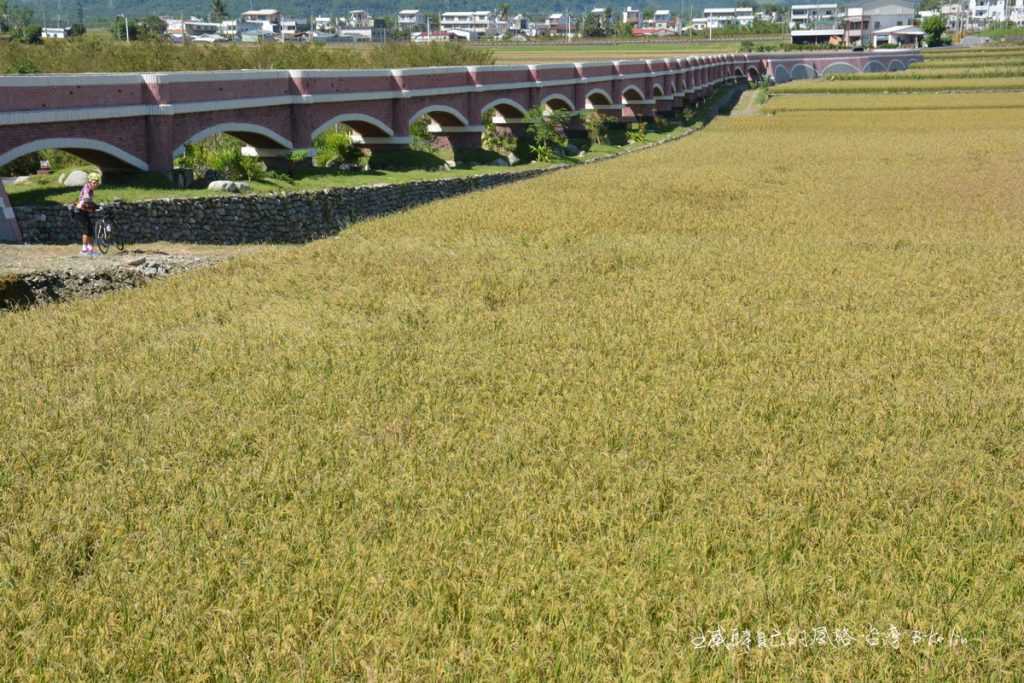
column 85, row 218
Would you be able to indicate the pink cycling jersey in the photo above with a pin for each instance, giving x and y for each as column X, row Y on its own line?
column 85, row 196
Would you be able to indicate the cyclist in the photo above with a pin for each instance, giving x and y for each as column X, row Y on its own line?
column 84, row 209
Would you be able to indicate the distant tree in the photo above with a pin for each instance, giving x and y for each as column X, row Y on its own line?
column 17, row 16
column 504, row 11
column 79, row 13
column 152, row 28
column 218, row 11
column 929, row 5
column 624, row 30
column 934, row 26
column 77, row 29
column 3, row 16
column 30, row 33
column 648, row 13
column 120, row 26
column 592, row 27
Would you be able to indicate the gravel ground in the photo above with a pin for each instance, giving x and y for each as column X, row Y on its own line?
column 37, row 274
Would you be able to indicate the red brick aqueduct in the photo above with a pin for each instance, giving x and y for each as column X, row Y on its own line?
column 141, row 121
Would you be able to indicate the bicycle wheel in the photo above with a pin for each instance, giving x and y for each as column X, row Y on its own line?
column 103, row 235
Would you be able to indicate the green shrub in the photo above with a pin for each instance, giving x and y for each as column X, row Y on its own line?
column 222, row 154
column 334, row 148
column 422, row 138
column 596, row 125
column 500, row 141
column 637, row 133
column 26, row 165
column 249, row 168
column 547, row 130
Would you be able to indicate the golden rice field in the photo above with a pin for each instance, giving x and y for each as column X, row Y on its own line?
column 908, row 84
column 959, row 72
column 968, row 54
column 896, row 102
column 980, row 70
column 975, row 63
column 742, row 407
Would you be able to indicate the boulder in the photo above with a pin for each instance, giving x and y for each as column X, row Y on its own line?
column 75, row 179
column 512, row 159
column 451, row 163
column 571, row 150
column 501, row 161
column 229, row 186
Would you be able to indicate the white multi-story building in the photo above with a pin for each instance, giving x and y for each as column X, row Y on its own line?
column 520, row 25
column 981, row 13
column 262, row 16
column 814, row 16
column 632, row 16
column 984, row 12
column 470, row 24
column 715, row 17
column 359, row 19
column 886, row 14
column 411, row 19
column 558, row 24
column 663, row 20
column 293, row 29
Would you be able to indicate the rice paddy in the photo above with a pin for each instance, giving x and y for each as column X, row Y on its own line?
column 907, row 84
column 740, row 407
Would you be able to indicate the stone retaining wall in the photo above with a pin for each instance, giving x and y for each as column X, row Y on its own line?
column 290, row 218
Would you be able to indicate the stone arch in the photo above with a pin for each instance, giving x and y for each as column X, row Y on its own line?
column 103, row 154
column 598, row 98
column 443, row 116
column 802, row 71
column 504, row 109
column 365, row 126
column 874, row 66
column 657, row 90
column 250, row 133
column 550, row 101
column 780, row 74
column 897, row 65
column 632, row 89
column 838, row 68
column 753, row 74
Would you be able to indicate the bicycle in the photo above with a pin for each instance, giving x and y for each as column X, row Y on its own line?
column 105, row 234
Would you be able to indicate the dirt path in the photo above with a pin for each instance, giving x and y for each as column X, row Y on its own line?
column 747, row 106
column 36, row 274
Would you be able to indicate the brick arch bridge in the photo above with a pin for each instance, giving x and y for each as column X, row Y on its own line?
column 141, row 121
